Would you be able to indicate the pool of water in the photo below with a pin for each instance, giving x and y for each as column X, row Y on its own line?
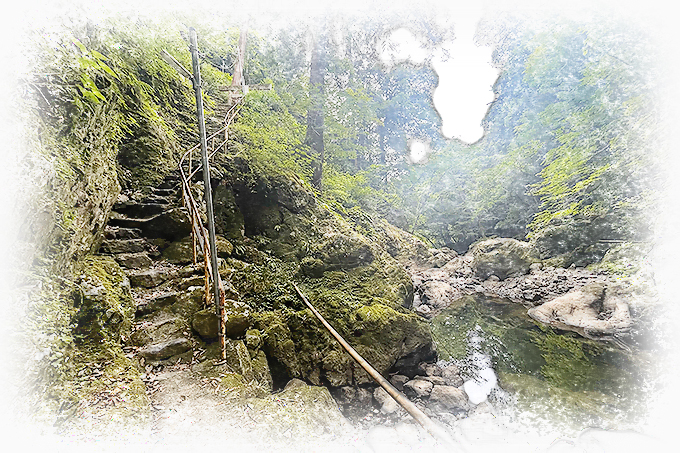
column 543, row 375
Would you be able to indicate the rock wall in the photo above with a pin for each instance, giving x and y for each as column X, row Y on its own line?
column 350, row 278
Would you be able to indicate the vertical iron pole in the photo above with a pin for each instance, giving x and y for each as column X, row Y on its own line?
column 206, row 173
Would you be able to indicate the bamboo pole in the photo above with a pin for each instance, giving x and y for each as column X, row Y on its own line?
column 438, row 433
column 206, row 179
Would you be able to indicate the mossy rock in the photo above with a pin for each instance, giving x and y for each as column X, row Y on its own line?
column 206, row 324
column 182, row 251
column 104, row 302
column 261, row 372
column 179, row 252
column 253, row 339
column 502, row 257
column 312, row 267
column 343, row 251
column 238, row 318
column 228, row 217
column 158, row 329
column 238, row 358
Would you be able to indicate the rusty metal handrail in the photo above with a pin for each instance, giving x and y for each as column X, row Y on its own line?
column 199, row 235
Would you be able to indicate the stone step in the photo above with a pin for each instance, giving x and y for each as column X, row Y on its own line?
column 149, row 306
column 133, row 260
column 170, row 183
column 164, row 192
column 112, row 232
column 115, row 246
column 157, row 199
column 141, row 210
column 150, row 278
column 172, row 224
column 165, row 349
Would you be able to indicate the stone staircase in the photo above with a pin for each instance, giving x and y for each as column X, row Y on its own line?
column 167, row 294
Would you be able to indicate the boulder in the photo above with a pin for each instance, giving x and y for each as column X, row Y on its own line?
column 437, row 294
column 343, row 251
column 206, row 323
column 398, row 380
column 238, row 358
column 451, row 375
column 446, row 398
column 238, row 318
column 261, row 372
column 419, row 388
column 595, row 311
column 105, row 305
column 387, row 404
column 312, row 267
column 503, row 257
column 172, row 225
column 430, row 369
column 165, row 349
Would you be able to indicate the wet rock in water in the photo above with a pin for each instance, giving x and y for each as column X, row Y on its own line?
column 398, row 381
column 419, row 388
column 166, row 349
column 451, row 375
column 437, row 294
column 387, row 404
column 503, row 257
column 445, row 397
column 594, row 311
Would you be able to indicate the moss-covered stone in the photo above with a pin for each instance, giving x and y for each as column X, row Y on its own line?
column 206, row 324
column 312, row 267
column 104, row 303
column 238, row 318
column 261, row 372
column 502, row 257
column 179, row 252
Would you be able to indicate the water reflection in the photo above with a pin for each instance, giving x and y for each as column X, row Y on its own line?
column 554, row 377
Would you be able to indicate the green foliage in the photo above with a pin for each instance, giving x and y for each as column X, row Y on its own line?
column 270, row 136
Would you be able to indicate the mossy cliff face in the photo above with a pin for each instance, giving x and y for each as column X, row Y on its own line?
column 350, row 278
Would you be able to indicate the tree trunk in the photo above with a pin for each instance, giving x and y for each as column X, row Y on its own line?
column 315, row 113
column 237, row 78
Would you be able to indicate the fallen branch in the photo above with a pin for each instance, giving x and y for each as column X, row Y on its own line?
column 438, row 433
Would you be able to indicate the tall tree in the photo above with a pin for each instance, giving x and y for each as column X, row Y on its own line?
column 317, row 99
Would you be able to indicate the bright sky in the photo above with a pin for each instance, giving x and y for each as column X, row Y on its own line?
column 466, row 77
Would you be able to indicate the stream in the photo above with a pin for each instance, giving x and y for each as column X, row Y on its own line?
column 538, row 377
